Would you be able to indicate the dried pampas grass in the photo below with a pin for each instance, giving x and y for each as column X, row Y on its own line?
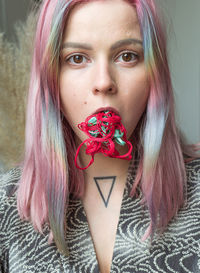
column 15, row 64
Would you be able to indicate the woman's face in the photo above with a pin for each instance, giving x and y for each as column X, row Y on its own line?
column 102, row 64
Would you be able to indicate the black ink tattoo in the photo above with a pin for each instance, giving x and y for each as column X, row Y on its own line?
column 112, row 180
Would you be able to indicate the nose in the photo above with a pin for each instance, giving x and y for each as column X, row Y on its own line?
column 103, row 81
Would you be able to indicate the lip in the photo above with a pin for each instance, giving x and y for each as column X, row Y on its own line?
column 106, row 109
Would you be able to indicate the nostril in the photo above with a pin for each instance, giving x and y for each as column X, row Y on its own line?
column 108, row 90
column 105, row 87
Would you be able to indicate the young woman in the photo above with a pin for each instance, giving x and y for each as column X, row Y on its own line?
column 123, row 200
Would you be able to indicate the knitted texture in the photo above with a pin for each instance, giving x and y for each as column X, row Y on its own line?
column 104, row 130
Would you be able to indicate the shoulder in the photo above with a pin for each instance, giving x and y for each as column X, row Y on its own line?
column 193, row 171
column 8, row 196
column 193, row 165
column 8, row 182
column 8, row 207
column 193, row 182
column 8, row 187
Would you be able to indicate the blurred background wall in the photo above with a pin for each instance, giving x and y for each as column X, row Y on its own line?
column 183, row 23
column 184, row 53
column 16, row 44
column 11, row 12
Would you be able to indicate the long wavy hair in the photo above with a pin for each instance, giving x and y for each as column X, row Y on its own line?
column 49, row 174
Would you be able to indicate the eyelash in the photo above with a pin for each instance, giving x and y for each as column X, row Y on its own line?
column 134, row 55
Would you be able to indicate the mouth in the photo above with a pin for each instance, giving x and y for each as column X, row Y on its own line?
column 104, row 109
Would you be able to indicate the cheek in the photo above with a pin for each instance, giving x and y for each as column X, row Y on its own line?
column 72, row 100
column 68, row 92
column 135, row 100
column 69, row 99
column 73, row 86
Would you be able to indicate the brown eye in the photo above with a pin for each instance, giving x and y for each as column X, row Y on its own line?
column 76, row 59
column 127, row 57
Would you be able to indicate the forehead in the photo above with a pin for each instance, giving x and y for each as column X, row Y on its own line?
column 100, row 18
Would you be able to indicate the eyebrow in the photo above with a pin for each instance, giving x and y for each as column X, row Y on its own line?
column 126, row 42
column 114, row 46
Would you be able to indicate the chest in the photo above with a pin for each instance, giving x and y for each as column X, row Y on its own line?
column 103, row 229
column 102, row 210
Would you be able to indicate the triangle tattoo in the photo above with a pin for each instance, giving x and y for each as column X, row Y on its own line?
column 111, row 180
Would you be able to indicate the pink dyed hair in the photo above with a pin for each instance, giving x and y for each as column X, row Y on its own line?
column 49, row 174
